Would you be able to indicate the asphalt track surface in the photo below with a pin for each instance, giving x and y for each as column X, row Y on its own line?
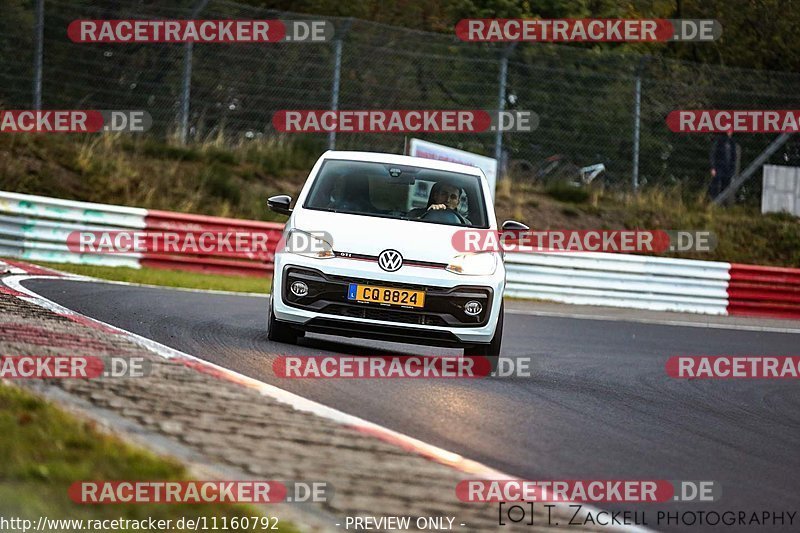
column 599, row 404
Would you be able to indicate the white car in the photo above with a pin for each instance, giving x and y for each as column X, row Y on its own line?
column 381, row 262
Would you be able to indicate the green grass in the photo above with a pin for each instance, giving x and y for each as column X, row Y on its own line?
column 45, row 450
column 166, row 278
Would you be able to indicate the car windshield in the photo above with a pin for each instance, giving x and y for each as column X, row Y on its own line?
column 399, row 191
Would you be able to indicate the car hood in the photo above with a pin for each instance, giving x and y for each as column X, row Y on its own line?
column 357, row 234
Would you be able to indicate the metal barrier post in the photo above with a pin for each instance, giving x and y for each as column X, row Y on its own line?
column 38, row 55
column 187, row 77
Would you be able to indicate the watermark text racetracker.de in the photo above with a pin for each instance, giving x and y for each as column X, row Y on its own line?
column 72, row 367
column 517, row 498
column 586, row 490
column 199, row 491
column 74, row 121
column 587, row 30
column 398, row 367
column 617, row 241
column 200, row 31
column 403, row 121
column 252, row 244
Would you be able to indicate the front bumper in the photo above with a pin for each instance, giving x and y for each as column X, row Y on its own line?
column 441, row 322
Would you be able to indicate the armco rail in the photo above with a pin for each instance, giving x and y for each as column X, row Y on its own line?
column 764, row 291
column 619, row 280
column 36, row 228
column 655, row 283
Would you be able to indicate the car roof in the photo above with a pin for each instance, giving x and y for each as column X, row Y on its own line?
column 422, row 162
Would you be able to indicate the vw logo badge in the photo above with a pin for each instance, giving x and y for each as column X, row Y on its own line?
column 390, row 260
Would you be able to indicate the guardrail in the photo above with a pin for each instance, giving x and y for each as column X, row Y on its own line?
column 655, row 283
column 619, row 280
column 764, row 291
column 37, row 228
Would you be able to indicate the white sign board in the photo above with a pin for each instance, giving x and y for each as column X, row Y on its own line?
column 781, row 190
column 440, row 152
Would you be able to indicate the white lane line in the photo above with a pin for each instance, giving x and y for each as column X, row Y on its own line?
column 655, row 321
column 300, row 403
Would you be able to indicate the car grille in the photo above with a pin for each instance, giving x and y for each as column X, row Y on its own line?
column 382, row 283
column 388, row 315
column 443, row 306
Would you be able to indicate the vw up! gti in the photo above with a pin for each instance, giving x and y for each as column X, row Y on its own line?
column 381, row 263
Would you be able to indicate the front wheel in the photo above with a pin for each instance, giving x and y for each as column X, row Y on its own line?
column 490, row 351
column 280, row 331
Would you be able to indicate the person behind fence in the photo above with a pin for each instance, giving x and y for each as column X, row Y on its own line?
column 724, row 162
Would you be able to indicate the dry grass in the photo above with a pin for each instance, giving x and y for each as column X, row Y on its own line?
column 216, row 179
column 744, row 234
column 205, row 178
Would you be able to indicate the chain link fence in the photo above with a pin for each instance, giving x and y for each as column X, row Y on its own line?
column 586, row 99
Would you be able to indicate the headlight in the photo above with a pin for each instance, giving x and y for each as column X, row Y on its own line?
column 309, row 245
column 475, row 264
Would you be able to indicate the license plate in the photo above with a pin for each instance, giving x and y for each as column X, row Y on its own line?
column 385, row 295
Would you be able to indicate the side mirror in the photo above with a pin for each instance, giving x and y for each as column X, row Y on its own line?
column 513, row 225
column 280, row 204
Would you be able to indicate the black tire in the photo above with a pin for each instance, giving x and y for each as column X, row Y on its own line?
column 490, row 351
column 278, row 331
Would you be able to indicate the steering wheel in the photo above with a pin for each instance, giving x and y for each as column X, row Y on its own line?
column 444, row 215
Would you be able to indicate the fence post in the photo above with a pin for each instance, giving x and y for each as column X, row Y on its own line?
column 501, row 106
column 185, row 90
column 337, row 72
column 38, row 55
column 187, row 76
column 637, row 119
column 337, row 75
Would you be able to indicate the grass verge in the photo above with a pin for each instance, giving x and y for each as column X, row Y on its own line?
column 45, row 450
column 166, row 278
column 744, row 235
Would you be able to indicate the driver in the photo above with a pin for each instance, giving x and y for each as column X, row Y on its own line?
column 442, row 196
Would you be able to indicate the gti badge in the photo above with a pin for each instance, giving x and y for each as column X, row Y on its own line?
column 390, row 260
